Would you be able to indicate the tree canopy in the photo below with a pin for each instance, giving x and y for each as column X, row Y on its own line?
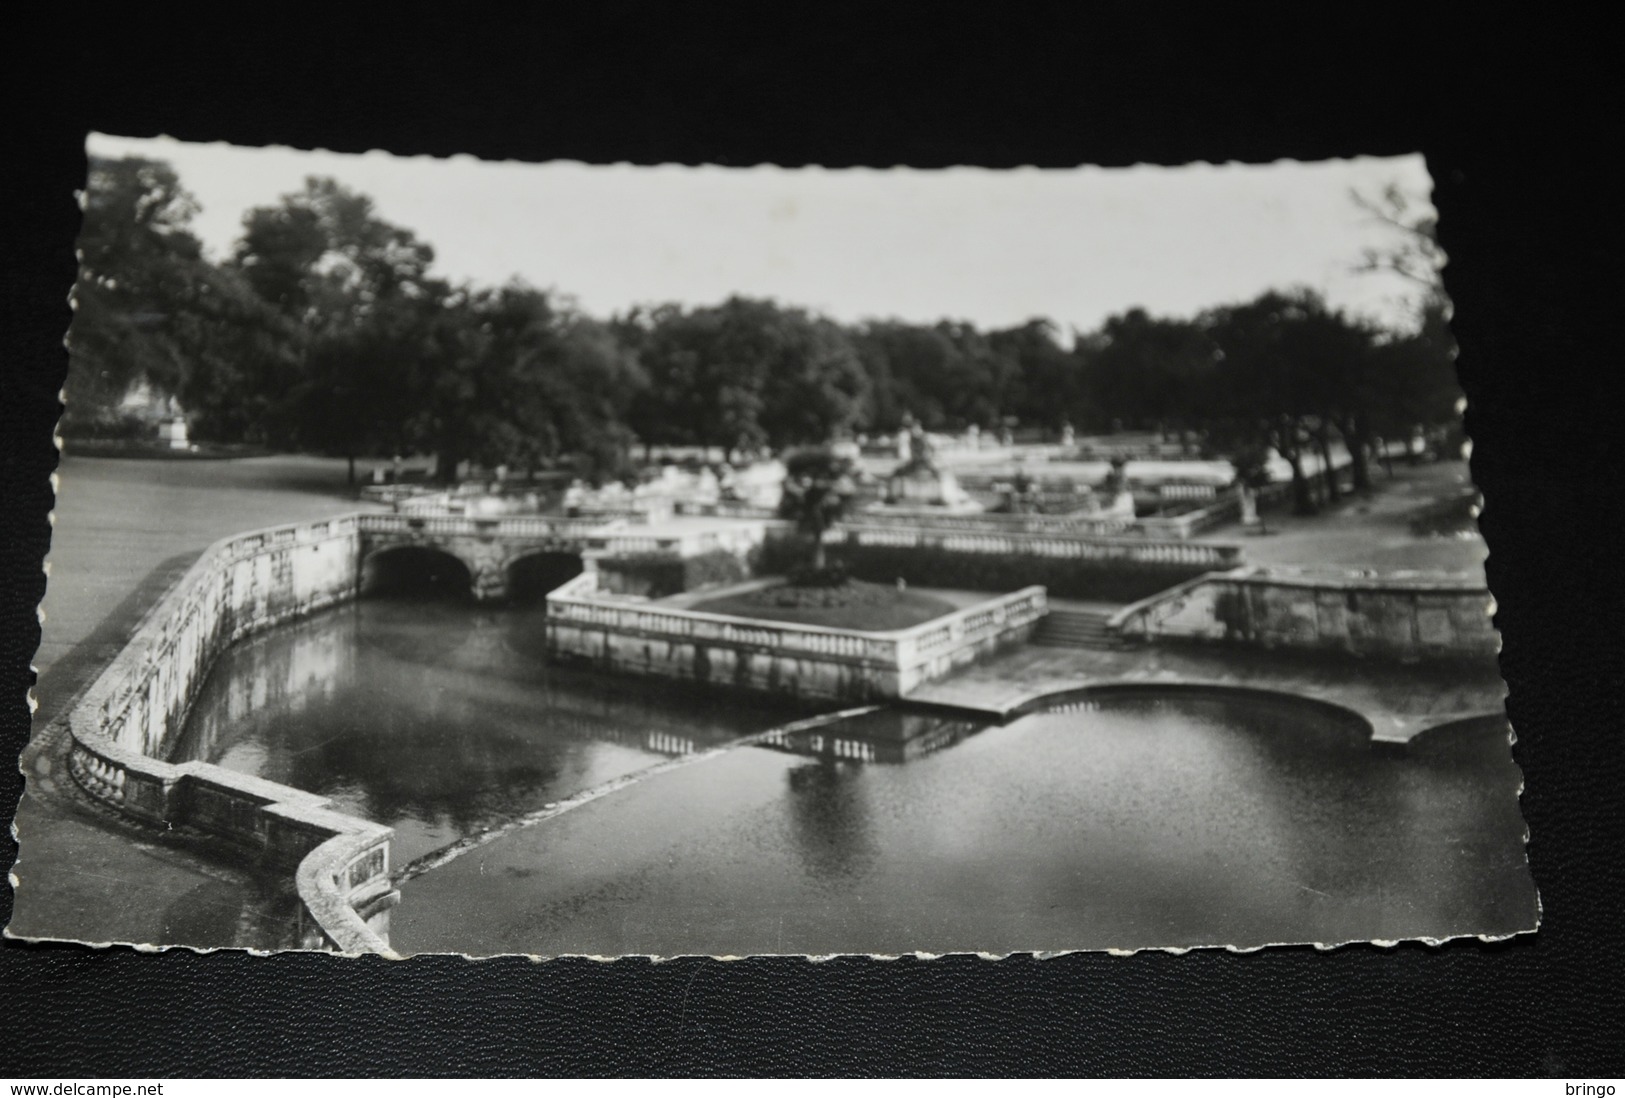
column 818, row 489
column 327, row 329
column 149, row 308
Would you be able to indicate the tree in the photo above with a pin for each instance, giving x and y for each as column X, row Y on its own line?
column 948, row 375
column 1414, row 255
column 702, row 391
column 815, row 386
column 1298, row 376
column 323, row 256
column 1413, row 379
column 979, row 386
column 1265, row 389
column 1336, row 352
column 379, row 335
column 909, row 368
column 744, row 374
column 361, row 386
column 589, row 382
column 150, row 307
column 241, row 357
column 1050, row 389
column 818, row 489
column 1151, row 372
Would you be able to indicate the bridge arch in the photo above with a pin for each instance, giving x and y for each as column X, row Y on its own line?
column 531, row 575
column 416, row 569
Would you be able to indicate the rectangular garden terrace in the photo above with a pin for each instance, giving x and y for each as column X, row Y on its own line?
column 585, row 626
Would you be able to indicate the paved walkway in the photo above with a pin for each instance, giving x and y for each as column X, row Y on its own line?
column 1368, row 532
column 118, row 520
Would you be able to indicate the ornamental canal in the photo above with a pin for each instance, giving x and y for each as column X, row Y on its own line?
column 1168, row 819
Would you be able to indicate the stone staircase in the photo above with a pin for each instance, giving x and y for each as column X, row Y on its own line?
column 1076, row 629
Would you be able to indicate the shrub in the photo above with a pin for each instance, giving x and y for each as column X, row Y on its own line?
column 833, row 574
column 656, row 575
column 712, row 570
column 108, row 427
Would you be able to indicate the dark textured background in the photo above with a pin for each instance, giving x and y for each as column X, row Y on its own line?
column 1520, row 122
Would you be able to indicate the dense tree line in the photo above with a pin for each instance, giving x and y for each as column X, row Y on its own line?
column 327, row 330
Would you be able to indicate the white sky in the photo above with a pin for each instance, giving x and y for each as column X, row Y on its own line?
column 994, row 247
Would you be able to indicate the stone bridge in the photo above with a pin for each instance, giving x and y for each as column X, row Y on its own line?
column 489, row 548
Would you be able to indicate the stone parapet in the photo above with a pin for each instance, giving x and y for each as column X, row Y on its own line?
column 1405, row 616
column 1220, row 509
column 1057, row 544
column 127, row 723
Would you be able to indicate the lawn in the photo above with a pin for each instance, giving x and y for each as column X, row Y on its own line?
column 872, row 607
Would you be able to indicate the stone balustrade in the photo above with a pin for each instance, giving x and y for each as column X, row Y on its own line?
column 920, row 519
column 1187, row 491
column 510, row 527
column 726, row 509
column 1223, row 509
column 1016, row 544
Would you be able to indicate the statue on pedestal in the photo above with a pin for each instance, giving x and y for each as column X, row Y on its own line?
column 918, row 480
column 1116, row 489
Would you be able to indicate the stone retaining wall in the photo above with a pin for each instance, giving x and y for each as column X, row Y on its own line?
column 1405, row 616
column 127, row 723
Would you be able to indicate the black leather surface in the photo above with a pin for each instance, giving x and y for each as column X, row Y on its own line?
column 1520, row 123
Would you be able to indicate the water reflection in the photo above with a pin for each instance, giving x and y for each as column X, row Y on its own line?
column 829, row 820
column 440, row 719
column 881, row 736
column 1121, row 822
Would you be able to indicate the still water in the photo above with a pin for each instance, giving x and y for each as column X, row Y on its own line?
column 1122, row 822
column 440, row 719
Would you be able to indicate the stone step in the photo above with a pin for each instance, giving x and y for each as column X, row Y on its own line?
column 1075, row 629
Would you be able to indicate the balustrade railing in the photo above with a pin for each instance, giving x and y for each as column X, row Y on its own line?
column 1224, row 508
column 1076, row 547
column 600, row 534
column 1187, row 491
column 1087, row 525
column 504, row 526
column 725, row 509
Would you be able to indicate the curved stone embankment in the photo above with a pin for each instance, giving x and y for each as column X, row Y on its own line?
column 127, row 722
column 1392, row 706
